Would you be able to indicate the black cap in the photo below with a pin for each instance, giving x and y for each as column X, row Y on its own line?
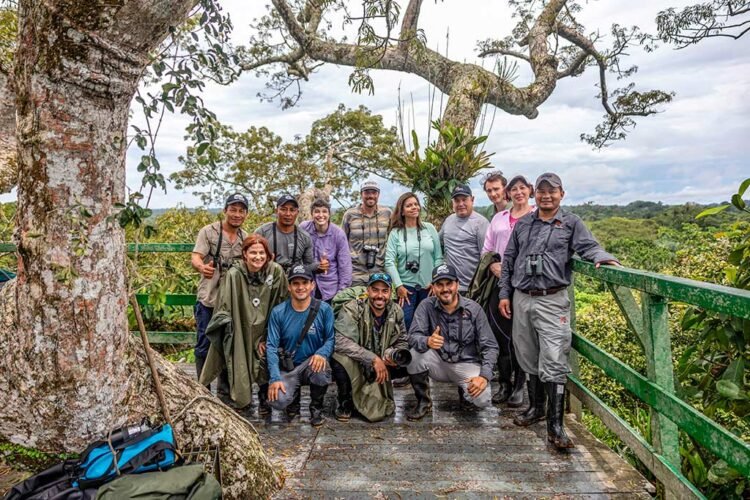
column 286, row 198
column 553, row 179
column 299, row 271
column 461, row 190
column 236, row 198
column 444, row 271
column 383, row 277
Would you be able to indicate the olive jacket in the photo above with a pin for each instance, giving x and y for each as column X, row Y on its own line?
column 238, row 326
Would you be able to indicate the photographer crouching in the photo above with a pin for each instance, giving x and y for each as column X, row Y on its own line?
column 371, row 350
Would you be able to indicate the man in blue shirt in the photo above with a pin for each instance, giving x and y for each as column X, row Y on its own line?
column 292, row 364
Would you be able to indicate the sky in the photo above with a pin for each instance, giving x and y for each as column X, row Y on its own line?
column 695, row 151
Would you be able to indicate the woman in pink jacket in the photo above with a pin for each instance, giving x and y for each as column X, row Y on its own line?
column 518, row 191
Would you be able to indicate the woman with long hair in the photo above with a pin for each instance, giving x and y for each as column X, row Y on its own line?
column 512, row 379
column 237, row 331
column 412, row 252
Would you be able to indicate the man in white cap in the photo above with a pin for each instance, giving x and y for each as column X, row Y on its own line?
column 366, row 228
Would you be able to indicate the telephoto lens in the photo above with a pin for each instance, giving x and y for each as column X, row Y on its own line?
column 402, row 357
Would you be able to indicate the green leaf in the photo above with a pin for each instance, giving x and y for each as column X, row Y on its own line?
column 737, row 201
column 202, row 148
column 729, row 390
column 743, row 187
column 735, row 372
column 722, row 473
column 712, row 211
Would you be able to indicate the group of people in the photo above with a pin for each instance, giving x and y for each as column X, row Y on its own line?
column 387, row 296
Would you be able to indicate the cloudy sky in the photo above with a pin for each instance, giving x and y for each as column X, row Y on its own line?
column 695, row 151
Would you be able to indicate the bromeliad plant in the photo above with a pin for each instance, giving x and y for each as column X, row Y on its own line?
column 454, row 158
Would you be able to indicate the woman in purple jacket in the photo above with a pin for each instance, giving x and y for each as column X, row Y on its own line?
column 331, row 249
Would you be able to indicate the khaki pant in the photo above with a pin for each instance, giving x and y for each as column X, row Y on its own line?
column 455, row 373
column 541, row 335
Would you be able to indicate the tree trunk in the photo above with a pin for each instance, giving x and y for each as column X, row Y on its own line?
column 8, row 173
column 68, row 370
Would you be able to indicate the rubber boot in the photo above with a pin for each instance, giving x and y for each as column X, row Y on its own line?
column 555, row 416
column 317, row 397
column 293, row 409
column 420, row 382
column 516, row 398
column 537, row 399
column 264, row 409
column 199, row 362
column 343, row 412
column 504, row 372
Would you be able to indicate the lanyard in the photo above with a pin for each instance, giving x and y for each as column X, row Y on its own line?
column 546, row 242
column 369, row 230
column 419, row 244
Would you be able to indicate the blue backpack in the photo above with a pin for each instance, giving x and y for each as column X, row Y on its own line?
column 144, row 450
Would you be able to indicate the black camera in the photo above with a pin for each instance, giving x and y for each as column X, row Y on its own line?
column 412, row 265
column 286, row 360
column 369, row 373
column 402, row 357
column 534, row 265
column 371, row 253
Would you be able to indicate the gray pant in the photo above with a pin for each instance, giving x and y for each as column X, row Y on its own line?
column 455, row 373
column 541, row 335
column 301, row 375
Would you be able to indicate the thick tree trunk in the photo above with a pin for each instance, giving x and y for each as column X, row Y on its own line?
column 68, row 370
column 8, row 172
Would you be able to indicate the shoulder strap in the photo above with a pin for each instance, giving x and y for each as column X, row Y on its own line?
column 312, row 312
column 217, row 255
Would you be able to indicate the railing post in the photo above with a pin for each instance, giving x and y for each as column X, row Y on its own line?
column 664, row 433
column 574, row 404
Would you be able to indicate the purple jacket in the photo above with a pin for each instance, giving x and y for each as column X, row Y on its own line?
column 336, row 246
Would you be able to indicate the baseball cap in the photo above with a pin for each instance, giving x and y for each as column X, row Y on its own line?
column 286, row 198
column 461, row 190
column 444, row 271
column 553, row 179
column 236, row 198
column 369, row 185
column 384, row 277
column 299, row 271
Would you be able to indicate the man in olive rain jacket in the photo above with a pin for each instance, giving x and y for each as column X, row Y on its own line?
column 370, row 339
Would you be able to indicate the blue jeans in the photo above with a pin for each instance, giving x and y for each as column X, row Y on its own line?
column 202, row 317
column 416, row 296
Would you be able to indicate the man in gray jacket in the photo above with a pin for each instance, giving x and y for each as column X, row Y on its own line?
column 537, row 268
column 451, row 341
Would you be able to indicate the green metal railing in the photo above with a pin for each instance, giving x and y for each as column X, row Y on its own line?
column 649, row 321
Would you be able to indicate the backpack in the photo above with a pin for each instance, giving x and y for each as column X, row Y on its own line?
column 137, row 449
column 346, row 295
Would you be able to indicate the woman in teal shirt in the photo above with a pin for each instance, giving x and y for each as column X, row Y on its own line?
column 413, row 250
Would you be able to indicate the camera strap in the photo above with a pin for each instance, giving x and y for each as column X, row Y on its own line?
column 419, row 244
column 217, row 255
column 546, row 242
column 294, row 252
column 312, row 313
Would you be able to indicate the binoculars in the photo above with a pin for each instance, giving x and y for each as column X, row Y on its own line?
column 534, row 265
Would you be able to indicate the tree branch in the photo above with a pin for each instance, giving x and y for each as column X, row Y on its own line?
column 576, row 66
column 409, row 23
column 505, row 52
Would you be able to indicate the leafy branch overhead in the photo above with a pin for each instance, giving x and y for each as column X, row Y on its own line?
column 713, row 19
column 342, row 148
column 294, row 38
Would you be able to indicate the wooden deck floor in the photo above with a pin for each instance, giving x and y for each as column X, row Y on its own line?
column 449, row 454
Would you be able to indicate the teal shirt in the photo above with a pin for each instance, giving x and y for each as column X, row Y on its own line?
column 429, row 253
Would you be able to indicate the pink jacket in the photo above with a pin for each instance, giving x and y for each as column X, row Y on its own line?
column 498, row 233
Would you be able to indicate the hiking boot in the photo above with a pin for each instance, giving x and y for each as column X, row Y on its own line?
column 420, row 382
column 317, row 397
column 264, row 409
column 504, row 373
column 537, row 399
column 400, row 382
column 555, row 416
column 463, row 403
column 343, row 412
column 199, row 362
column 292, row 410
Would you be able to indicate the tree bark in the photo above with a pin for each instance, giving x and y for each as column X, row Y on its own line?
column 68, row 369
column 8, row 172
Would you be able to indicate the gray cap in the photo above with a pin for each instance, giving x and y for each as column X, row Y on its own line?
column 369, row 185
column 236, row 198
column 286, row 198
column 461, row 190
column 553, row 179
column 299, row 271
column 444, row 271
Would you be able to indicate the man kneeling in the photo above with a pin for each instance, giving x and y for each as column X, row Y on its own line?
column 451, row 341
column 371, row 350
column 300, row 341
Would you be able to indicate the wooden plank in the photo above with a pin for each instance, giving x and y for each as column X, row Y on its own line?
column 714, row 437
column 670, row 476
column 732, row 301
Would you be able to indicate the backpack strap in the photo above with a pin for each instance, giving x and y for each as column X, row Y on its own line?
column 311, row 314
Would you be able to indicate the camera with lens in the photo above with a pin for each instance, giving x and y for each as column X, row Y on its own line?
column 286, row 360
column 371, row 253
column 412, row 265
column 402, row 357
column 534, row 265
